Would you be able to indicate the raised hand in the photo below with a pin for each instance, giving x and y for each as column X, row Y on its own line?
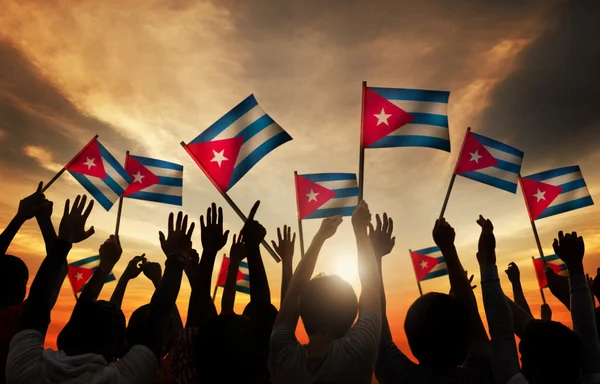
column 191, row 267
column 152, row 271
column 487, row 242
column 546, row 312
column 595, row 287
column 110, row 253
column 514, row 275
column 361, row 217
column 211, row 233
column 31, row 206
column 237, row 252
column 285, row 244
column 452, row 293
column 178, row 242
column 253, row 231
column 570, row 248
column 443, row 234
column 72, row 226
column 134, row 267
column 381, row 236
column 329, row 226
column 559, row 286
column 45, row 209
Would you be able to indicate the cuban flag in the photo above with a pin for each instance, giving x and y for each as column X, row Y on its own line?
column 556, row 191
column 396, row 117
column 321, row 195
column 428, row 263
column 80, row 272
column 552, row 262
column 242, row 283
column 154, row 180
column 490, row 162
column 230, row 147
column 99, row 173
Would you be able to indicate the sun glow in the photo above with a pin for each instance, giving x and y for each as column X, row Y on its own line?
column 346, row 268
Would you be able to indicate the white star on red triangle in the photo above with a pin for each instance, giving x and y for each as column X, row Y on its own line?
column 475, row 156
column 138, row 177
column 382, row 117
column 79, row 276
column 540, row 195
column 219, row 157
column 424, row 264
column 312, row 196
column 90, row 162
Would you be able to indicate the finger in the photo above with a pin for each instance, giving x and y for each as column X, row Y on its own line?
column 220, row 217
column 190, row 231
column 161, row 237
column 213, row 208
column 393, row 241
column 68, row 203
column 82, row 204
column 184, row 223
column 234, row 238
column 170, row 228
column 208, row 216
column 275, row 246
column 474, row 286
column 390, row 226
column 179, row 220
column 202, row 226
column 226, row 235
column 371, row 229
column 279, row 238
column 89, row 233
column 76, row 203
column 289, row 232
column 378, row 221
column 294, row 238
column 88, row 210
column 574, row 234
column 39, row 187
column 385, row 222
column 561, row 236
column 471, row 279
column 253, row 210
column 556, row 247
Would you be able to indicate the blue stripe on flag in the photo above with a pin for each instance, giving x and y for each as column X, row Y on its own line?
column 113, row 185
column 243, row 264
column 227, row 119
column 486, row 141
column 573, row 185
column 434, row 274
column 490, row 180
column 92, row 190
column 114, row 163
column 85, row 261
column 568, row 206
column 242, row 168
column 171, row 181
column 345, row 192
column 157, row 197
column 321, row 177
column 550, row 258
column 554, row 173
column 147, row 161
column 255, row 127
column 391, row 141
column 430, row 119
column 242, row 289
column 328, row 212
column 509, row 167
column 427, row 251
column 413, row 94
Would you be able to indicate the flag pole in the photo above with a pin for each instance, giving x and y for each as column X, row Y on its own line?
column 300, row 231
column 416, row 278
column 541, row 289
column 64, row 168
column 231, row 203
column 453, row 178
column 361, row 153
column 533, row 227
column 214, row 295
column 120, row 208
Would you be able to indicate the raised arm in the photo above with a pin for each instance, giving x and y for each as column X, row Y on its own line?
column 254, row 233
column 201, row 306
column 559, row 287
column 497, row 309
column 36, row 314
column 110, row 253
column 132, row 271
column 288, row 313
column 514, row 275
column 285, row 249
column 236, row 255
column 570, row 248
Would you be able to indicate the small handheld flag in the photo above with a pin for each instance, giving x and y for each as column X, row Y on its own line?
column 80, row 272
column 154, row 180
column 321, row 195
column 243, row 277
column 552, row 262
column 556, row 191
column 428, row 263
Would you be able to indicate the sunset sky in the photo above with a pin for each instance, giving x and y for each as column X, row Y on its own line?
column 145, row 75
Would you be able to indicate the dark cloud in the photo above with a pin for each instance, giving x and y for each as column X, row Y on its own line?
column 549, row 106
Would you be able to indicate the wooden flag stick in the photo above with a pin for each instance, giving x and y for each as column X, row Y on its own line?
column 535, row 232
column 416, row 278
column 300, row 231
column 52, row 180
column 361, row 153
column 119, row 209
column 215, row 293
column 541, row 289
column 453, row 178
column 231, row 203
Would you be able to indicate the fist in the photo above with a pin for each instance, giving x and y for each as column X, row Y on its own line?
column 443, row 234
column 110, row 253
column 361, row 218
column 514, row 275
column 570, row 248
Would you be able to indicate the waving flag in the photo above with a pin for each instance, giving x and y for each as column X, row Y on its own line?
column 490, row 162
column 154, row 180
column 396, row 117
column 243, row 276
column 235, row 143
column 552, row 262
column 99, row 173
column 80, row 272
column 428, row 263
column 556, row 191
column 321, row 195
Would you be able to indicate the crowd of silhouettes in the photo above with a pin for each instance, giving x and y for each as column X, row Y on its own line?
column 350, row 340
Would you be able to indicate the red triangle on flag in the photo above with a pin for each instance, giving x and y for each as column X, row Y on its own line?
column 222, row 278
column 79, row 277
column 310, row 196
column 88, row 162
column 217, row 159
column 540, row 272
column 538, row 196
column 474, row 156
column 141, row 177
column 423, row 264
column 381, row 117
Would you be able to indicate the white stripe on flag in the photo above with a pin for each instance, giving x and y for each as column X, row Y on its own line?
column 350, row 201
column 422, row 130
column 165, row 172
column 436, row 254
column 243, row 283
column 116, row 176
column 439, row 267
column 240, row 124
column 103, row 188
column 163, row 190
column 249, row 146
column 500, row 174
column 338, row 184
column 501, row 155
column 559, row 180
column 413, row 106
column 570, row 196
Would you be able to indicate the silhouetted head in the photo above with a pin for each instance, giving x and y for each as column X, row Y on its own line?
column 97, row 327
column 436, row 327
column 226, row 350
column 544, row 339
column 13, row 280
column 136, row 328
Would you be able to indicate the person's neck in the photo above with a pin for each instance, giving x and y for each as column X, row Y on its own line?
column 318, row 343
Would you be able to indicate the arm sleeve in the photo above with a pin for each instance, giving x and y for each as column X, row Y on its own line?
column 364, row 338
column 393, row 366
column 24, row 356
column 137, row 366
column 584, row 322
column 282, row 345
